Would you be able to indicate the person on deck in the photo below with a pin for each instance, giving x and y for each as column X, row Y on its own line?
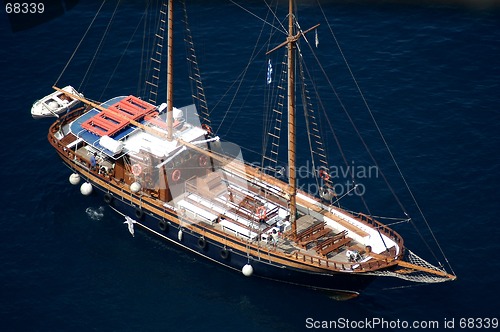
column 274, row 237
column 93, row 162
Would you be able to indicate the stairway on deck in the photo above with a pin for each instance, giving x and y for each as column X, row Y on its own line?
column 211, row 186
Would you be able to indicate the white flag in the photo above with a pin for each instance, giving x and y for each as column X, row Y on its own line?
column 269, row 72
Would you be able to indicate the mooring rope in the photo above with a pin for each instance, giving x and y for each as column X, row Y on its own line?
column 79, row 43
column 390, row 154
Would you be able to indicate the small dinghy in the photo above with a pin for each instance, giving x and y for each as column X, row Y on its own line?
column 54, row 104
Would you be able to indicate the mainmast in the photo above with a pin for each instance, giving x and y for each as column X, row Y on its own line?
column 170, row 71
column 292, row 179
column 290, row 42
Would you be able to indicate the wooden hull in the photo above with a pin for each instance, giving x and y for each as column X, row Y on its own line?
column 226, row 250
column 211, row 241
column 201, row 244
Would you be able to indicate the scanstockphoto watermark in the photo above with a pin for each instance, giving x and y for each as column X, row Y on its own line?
column 337, row 178
column 383, row 323
column 369, row 323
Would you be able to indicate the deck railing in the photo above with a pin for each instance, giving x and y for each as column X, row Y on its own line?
column 382, row 228
column 346, row 266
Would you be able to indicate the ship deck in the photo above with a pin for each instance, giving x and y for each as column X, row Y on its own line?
column 239, row 201
column 234, row 206
column 244, row 207
column 239, row 209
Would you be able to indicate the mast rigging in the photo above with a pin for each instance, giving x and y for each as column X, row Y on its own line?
column 292, row 179
column 170, row 69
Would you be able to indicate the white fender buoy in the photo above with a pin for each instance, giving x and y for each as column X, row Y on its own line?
column 247, row 270
column 135, row 187
column 86, row 189
column 74, row 179
column 179, row 235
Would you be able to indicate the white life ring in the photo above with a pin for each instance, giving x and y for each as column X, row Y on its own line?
column 136, row 169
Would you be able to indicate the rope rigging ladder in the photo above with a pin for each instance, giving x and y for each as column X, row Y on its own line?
column 274, row 132
column 153, row 83
column 316, row 143
column 198, row 93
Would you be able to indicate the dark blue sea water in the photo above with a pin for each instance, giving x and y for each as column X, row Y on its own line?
column 431, row 75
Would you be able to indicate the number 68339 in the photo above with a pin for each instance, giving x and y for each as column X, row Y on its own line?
column 478, row 323
column 24, row 7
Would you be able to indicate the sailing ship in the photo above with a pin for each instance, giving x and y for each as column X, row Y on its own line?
column 166, row 171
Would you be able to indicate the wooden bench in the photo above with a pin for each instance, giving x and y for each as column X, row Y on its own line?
column 340, row 235
column 330, row 241
column 335, row 246
column 314, row 237
column 304, row 234
column 333, row 243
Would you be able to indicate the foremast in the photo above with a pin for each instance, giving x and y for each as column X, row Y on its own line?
column 170, row 71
